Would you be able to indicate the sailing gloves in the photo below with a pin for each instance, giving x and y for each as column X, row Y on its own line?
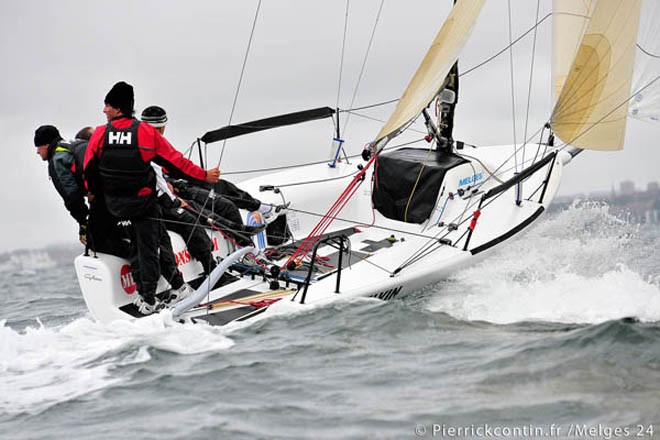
column 82, row 233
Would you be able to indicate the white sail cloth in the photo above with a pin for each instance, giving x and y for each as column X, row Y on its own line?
column 645, row 105
column 592, row 107
column 569, row 23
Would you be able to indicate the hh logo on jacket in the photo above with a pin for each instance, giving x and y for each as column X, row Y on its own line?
column 119, row 137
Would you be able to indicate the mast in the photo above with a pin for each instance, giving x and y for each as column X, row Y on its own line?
column 448, row 99
column 447, row 107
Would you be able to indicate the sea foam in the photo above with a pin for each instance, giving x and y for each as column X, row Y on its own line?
column 580, row 266
column 42, row 366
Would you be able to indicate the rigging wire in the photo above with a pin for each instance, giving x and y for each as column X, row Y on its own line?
column 476, row 67
column 493, row 174
column 511, row 62
column 371, row 106
column 341, row 70
column 341, row 60
column 309, row 182
column 383, row 121
column 379, row 104
column 287, row 167
column 647, row 52
column 364, row 61
column 491, row 58
column 240, row 79
column 531, row 76
column 513, row 97
column 434, row 243
column 649, row 84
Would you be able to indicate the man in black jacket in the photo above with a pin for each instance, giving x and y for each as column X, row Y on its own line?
column 65, row 166
column 62, row 170
column 177, row 212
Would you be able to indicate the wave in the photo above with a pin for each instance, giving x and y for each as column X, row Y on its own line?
column 43, row 366
column 581, row 266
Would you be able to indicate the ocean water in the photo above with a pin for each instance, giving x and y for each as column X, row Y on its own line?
column 557, row 335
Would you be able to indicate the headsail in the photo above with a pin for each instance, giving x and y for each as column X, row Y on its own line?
column 569, row 23
column 592, row 107
column 433, row 70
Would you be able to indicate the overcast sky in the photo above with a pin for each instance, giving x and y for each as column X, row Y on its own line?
column 62, row 56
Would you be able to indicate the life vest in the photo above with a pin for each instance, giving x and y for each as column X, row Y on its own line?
column 76, row 147
column 123, row 171
column 127, row 181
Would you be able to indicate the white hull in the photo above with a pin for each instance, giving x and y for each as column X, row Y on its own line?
column 375, row 265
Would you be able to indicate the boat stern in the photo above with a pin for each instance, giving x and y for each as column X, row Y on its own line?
column 107, row 284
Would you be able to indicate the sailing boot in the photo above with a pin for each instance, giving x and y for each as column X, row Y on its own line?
column 177, row 295
column 146, row 305
column 275, row 212
column 252, row 229
column 230, row 227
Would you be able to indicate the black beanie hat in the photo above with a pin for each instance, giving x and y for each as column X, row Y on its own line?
column 45, row 135
column 121, row 96
column 154, row 116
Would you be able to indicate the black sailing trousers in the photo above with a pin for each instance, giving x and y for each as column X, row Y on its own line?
column 197, row 241
column 145, row 234
column 168, row 267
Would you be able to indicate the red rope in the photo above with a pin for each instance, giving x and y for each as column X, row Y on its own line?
column 258, row 304
column 325, row 222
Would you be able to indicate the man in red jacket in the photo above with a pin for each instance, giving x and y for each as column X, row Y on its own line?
column 117, row 165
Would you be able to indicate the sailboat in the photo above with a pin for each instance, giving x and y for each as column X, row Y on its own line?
column 404, row 217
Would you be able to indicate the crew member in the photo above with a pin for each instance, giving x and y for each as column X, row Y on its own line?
column 175, row 216
column 222, row 211
column 117, row 164
column 62, row 171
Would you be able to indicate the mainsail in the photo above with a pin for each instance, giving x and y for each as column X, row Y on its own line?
column 435, row 66
column 592, row 108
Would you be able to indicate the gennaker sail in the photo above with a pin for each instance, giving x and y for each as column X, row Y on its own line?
column 592, row 107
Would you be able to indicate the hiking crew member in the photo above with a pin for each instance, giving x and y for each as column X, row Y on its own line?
column 175, row 216
column 117, row 165
column 84, row 134
column 65, row 168
column 222, row 208
column 63, row 171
